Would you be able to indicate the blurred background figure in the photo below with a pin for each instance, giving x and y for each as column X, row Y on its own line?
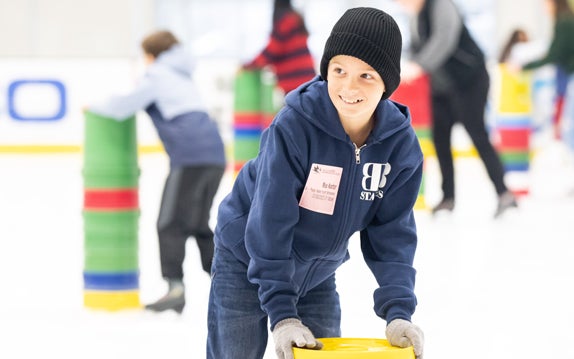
column 518, row 36
column 287, row 51
column 561, row 54
column 443, row 48
column 520, row 49
column 196, row 153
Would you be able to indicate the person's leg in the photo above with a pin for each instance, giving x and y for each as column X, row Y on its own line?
column 171, row 230
column 567, row 120
column 561, row 90
column 471, row 113
column 320, row 310
column 237, row 326
column 172, row 237
column 470, row 110
column 442, row 123
column 203, row 184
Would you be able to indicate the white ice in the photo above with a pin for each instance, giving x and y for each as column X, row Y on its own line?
column 486, row 288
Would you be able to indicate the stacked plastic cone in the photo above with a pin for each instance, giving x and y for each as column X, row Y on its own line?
column 111, row 214
column 513, row 126
column 254, row 110
column 416, row 95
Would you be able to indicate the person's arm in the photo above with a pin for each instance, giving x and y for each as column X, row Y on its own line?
column 446, row 27
column 562, row 35
column 389, row 242
column 284, row 29
column 271, row 225
column 121, row 107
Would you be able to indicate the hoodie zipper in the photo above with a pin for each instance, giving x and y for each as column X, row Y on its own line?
column 342, row 224
column 358, row 153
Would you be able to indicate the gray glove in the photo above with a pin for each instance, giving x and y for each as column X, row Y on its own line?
column 402, row 333
column 291, row 332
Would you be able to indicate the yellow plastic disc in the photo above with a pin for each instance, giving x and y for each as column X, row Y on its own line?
column 112, row 300
column 355, row 348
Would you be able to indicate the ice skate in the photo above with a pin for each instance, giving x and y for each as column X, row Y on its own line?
column 505, row 201
column 444, row 205
column 174, row 299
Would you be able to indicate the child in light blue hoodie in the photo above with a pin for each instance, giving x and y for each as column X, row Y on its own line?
column 196, row 154
column 339, row 158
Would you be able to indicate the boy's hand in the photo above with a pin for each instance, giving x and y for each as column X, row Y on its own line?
column 291, row 332
column 402, row 333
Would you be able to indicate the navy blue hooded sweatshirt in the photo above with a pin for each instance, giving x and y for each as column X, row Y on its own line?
column 290, row 249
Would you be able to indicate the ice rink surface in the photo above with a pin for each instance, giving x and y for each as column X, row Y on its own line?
column 486, row 288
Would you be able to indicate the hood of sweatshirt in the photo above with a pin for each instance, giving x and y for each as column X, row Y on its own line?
column 177, row 59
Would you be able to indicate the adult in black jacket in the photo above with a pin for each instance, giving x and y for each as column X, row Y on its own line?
column 443, row 48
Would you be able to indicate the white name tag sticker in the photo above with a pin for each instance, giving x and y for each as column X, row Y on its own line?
column 320, row 193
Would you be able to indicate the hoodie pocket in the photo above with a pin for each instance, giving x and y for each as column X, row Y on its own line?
column 309, row 274
column 232, row 234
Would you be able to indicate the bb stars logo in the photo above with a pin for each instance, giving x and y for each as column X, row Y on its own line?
column 374, row 179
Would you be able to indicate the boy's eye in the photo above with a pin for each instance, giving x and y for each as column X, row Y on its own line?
column 367, row 76
column 338, row 70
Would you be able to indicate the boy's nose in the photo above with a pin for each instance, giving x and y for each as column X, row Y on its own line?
column 350, row 84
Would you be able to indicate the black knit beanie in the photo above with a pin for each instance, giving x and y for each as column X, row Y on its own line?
column 371, row 35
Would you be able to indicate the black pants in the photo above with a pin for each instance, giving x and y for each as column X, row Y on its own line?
column 466, row 106
column 185, row 208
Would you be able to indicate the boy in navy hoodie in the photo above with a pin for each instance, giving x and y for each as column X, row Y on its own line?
column 339, row 158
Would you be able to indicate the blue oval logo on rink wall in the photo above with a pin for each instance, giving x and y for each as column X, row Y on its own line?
column 37, row 100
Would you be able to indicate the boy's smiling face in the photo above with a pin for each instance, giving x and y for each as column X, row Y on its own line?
column 355, row 88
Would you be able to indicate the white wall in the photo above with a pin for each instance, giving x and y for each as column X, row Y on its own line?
column 64, row 54
column 92, row 48
column 72, row 28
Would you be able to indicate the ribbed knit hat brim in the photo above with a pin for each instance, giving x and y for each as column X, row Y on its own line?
column 372, row 36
